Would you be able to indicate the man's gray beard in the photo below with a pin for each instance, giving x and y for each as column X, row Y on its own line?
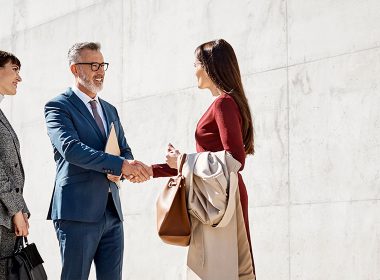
column 88, row 84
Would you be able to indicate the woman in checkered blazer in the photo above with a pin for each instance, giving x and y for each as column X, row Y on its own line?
column 14, row 213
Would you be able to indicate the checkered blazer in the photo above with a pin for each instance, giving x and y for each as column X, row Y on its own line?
column 11, row 174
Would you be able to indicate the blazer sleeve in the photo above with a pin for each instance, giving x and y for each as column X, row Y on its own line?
column 65, row 139
column 25, row 210
column 163, row 170
column 228, row 120
column 10, row 197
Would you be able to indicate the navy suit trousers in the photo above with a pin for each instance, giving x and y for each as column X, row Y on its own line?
column 81, row 243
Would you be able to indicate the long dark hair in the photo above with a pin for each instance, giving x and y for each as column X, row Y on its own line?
column 219, row 61
column 5, row 57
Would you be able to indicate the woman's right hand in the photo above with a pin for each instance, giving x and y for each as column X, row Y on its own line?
column 21, row 226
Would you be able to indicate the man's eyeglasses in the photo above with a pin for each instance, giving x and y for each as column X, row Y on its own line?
column 94, row 65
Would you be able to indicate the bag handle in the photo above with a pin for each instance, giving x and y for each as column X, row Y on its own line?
column 19, row 244
column 183, row 159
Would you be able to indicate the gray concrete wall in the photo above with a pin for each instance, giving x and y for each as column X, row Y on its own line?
column 311, row 72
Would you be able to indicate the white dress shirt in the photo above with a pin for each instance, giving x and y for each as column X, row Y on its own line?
column 86, row 100
column 1, row 97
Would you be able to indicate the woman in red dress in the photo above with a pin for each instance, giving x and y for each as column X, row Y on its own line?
column 227, row 123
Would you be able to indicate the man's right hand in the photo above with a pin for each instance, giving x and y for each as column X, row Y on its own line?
column 136, row 171
column 148, row 168
column 21, row 226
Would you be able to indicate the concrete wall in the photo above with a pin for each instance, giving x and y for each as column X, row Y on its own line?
column 311, row 72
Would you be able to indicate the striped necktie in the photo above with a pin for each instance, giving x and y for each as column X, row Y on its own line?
column 97, row 118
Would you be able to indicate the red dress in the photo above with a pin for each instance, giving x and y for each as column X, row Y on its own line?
column 219, row 129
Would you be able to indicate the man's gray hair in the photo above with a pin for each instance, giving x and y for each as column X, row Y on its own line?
column 74, row 52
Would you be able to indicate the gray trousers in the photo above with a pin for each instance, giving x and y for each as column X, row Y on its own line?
column 7, row 243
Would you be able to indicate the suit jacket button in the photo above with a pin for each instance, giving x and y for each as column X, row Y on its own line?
column 16, row 164
column 17, row 190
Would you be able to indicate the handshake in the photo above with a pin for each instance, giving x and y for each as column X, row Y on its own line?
column 133, row 170
column 137, row 172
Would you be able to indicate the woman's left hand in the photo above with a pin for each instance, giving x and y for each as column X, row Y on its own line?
column 21, row 227
column 172, row 156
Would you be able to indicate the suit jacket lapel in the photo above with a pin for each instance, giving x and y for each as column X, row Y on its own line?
column 81, row 107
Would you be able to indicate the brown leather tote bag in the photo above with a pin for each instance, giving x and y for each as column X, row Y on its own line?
column 173, row 223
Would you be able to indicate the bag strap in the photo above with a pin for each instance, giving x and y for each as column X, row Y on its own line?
column 183, row 159
column 19, row 245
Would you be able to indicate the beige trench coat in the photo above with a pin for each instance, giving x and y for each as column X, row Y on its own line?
column 219, row 248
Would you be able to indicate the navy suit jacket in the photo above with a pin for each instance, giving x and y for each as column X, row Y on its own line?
column 81, row 184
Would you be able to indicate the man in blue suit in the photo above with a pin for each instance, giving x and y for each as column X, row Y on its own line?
column 85, row 205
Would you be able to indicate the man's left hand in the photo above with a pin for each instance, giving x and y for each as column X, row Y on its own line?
column 113, row 178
